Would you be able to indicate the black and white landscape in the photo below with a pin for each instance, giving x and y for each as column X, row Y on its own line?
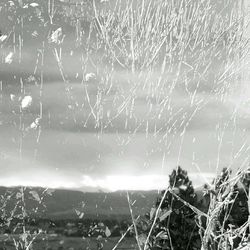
column 124, row 124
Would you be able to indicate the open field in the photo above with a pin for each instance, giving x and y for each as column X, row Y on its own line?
column 57, row 242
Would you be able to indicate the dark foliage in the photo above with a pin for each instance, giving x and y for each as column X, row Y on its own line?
column 180, row 225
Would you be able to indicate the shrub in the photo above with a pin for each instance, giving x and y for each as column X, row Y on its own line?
column 182, row 224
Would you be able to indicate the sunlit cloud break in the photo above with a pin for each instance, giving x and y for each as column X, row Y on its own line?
column 144, row 182
column 15, row 181
column 108, row 183
column 123, row 182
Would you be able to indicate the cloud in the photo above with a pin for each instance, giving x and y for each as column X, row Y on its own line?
column 199, row 179
column 71, row 154
column 117, row 124
column 28, row 172
column 76, row 112
column 35, row 180
column 140, row 182
column 123, row 182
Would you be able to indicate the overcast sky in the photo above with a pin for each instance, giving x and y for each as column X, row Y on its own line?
column 141, row 139
column 67, row 150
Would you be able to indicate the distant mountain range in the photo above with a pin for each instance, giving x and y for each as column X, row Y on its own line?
column 70, row 204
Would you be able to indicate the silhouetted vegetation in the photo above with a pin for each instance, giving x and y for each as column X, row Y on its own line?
column 184, row 218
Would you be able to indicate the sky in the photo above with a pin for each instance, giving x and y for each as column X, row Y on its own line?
column 137, row 140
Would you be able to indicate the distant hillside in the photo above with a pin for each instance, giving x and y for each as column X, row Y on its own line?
column 61, row 204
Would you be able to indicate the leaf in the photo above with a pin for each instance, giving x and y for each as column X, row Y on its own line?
column 23, row 236
column 183, row 187
column 35, row 124
column 142, row 239
column 9, row 58
column 34, row 4
column 152, row 213
column 26, row 102
column 3, row 37
column 18, row 195
column 90, row 76
column 165, row 214
column 79, row 213
column 12, row 97
column 11, row 3
column 162, row 235
column 35, row 196
column 34, row 33
column 50, row 191
column 107, row 232
column 56, row 35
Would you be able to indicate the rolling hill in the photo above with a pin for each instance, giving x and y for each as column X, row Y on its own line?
column 65, row 204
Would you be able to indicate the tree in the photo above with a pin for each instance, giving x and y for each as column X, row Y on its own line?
column 239, row 213
column 221, row 180
column 180, row 225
